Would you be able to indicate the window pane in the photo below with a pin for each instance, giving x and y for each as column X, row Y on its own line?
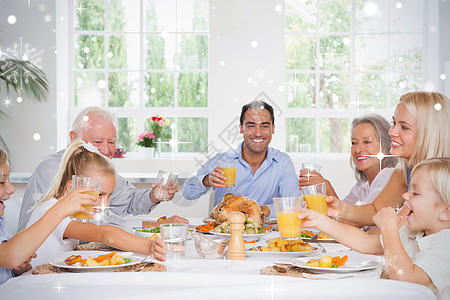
column 300, row 52
column 334, row 91
column 123, row 52
column 89, row 52
column 301, row 90
column 127, row 133
column 335, row 52
column 194, row 131
column 334, row 135
column 123, row 89
column 305, row 129
column 159, row 90
column 193, row 89
column 402, row 83
column 160, row 15
column 89, row 15
column 409, row 18
column 335, row 15
column 406, row 52
column 89, row 89
column 193, row 15
column 165, row 133
column 124, row 15
column 371, row 91
column 193, row 52
column 301, row 15
column 371, row 52
column 159, row 51
column 372, row 16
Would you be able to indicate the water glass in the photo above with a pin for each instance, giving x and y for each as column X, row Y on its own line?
column 229, row 166
column 80, row 181
column 175, row 237
column 164, row 183
column 287, row 209
column 316, row 197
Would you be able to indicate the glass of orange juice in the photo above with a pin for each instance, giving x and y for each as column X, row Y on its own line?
column 228, row 166
column 316, row 197
column 287, row 209
column 80, row 181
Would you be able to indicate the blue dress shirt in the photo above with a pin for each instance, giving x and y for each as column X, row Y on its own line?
column 276, row 177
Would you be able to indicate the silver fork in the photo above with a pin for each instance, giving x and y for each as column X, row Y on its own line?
column 144, row 263
column 315, row 240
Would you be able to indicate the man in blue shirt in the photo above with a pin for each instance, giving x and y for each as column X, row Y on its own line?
column 262, row 172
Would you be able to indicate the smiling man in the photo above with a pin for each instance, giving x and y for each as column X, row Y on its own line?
column 262, row 172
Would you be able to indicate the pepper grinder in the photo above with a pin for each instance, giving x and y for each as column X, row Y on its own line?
column 236, row 247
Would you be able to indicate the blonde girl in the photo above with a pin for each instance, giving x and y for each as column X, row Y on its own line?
column 420, row 130
column 16, row 252
column 417, row 252
column 84, row 160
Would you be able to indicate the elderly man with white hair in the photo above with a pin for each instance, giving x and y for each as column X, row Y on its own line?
column 96, row 126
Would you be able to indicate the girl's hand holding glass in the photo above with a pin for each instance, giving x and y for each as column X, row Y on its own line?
column 157, row 249
column 74, row 201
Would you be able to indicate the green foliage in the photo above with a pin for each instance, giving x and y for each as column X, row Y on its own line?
column 195, row 132
column 304, row 128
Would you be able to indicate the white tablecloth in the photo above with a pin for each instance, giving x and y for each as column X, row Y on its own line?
column 195, row 278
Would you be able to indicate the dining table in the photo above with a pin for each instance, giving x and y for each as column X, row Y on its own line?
column 197, row 278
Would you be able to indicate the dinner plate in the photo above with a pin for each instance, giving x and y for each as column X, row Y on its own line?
column 247, row 237
column 274, row 254
column 315, row 231
column 353, row 264
column 59, row 261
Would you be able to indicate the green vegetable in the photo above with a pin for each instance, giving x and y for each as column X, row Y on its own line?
column 333, row 265
column 127, row 260
column 304, row 235
column 151, row 230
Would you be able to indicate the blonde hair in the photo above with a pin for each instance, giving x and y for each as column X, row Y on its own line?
column 432, row 113
column 76, row 161
column 438, row 169
column 3, row 159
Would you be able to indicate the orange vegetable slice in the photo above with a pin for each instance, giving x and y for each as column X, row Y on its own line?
column 342, row 261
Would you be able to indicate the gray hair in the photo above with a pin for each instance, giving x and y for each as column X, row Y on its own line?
column 382, row 128
column 91, row 112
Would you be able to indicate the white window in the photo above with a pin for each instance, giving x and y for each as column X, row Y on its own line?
column 143, row 58
column 348, row 58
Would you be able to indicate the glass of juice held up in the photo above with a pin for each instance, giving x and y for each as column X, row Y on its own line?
column 228, row 166
column 316, row 197
column 287, row 209
column 80, row 181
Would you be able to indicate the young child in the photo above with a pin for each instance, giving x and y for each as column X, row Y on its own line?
column 417, row 252
column 16, row 252
column 84, row 160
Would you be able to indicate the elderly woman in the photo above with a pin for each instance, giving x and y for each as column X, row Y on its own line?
column 369, row 137
column 420, row 130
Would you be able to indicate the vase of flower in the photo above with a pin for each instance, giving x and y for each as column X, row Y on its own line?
column 147, row 152
column 146, row 143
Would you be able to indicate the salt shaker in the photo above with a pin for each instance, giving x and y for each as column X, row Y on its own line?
column 236, row 247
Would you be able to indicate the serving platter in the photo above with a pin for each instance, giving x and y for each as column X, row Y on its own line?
column 281, row 255
column 59, row 261
column 353, row 264
column 247, row 237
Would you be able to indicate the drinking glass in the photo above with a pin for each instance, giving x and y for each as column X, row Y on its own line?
column 316, row 197
column 228, row 166
column 164, row 183
column 175, row 237
column 287, row 209
column 311, row 167
column 80, row 181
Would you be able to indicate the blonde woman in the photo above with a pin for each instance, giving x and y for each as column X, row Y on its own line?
column 420, row 130
column 84, row 160
column 420, row 248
